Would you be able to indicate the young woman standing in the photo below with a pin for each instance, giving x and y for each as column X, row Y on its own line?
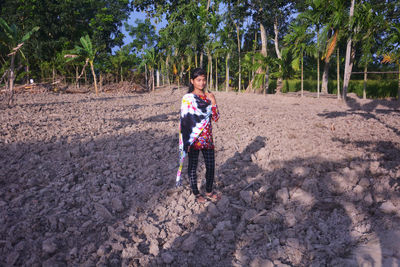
column 198, row 108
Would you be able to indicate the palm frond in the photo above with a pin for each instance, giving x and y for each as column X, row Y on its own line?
column 331, row 46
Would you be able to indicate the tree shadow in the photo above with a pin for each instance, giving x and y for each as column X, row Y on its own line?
column 299, row 212
column 163, row 117
column 367, row 111
column 88, row 98
column 60, row 200
column 111, row 202
column 124, row 122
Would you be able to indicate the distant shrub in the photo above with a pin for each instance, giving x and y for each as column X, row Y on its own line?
column 375, row 88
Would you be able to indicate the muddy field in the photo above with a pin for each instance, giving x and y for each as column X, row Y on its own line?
column 89, row 181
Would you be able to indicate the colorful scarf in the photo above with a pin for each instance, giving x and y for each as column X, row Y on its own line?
column 195, row 115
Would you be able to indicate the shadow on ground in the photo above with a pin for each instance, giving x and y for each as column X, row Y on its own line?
column 111, row 202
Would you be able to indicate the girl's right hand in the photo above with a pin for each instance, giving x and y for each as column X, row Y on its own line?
column 211, row 97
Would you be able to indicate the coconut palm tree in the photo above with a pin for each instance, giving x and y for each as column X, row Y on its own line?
column 13, row 39
column 334, row 17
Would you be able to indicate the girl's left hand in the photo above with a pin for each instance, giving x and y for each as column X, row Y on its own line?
column 212, row 98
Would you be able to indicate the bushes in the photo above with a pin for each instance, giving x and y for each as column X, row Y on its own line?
column 375, row 88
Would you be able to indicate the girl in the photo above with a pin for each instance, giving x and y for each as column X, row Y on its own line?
column 198, row 108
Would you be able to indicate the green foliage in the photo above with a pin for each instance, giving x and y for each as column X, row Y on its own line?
column 375, row 88
column 62, row 23
column 149, row 58
column 143, row 34
column 13, row 38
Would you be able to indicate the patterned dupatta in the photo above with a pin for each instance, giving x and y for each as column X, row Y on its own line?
column 195, row 115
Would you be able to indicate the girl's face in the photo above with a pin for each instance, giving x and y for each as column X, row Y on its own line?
column 199, row 82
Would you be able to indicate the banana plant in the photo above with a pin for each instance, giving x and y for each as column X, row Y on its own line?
column 87, row 52
column 13, row 39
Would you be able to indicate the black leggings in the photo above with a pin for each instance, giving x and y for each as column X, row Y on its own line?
column 209, row 159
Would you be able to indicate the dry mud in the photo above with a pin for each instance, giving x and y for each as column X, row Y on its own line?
column 89, row 181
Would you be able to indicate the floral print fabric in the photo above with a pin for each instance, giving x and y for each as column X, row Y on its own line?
column 195, row 115
column 205, row 139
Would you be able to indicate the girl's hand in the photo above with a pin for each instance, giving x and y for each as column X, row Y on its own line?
column 211, row 97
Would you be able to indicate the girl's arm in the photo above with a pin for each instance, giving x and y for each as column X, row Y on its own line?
column 215, row 111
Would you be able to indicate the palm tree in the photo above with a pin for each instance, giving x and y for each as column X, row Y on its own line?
column 349, row 51
column 335, row 17
column 371, row 25
column 13, row 39
column 392, row 53
column 87, row 52
column 260, row 63
column 312, row 16
column 298, row 42
column 219, row 51
column 150, row 60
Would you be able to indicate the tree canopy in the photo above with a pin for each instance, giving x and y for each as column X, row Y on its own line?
column 291, row 36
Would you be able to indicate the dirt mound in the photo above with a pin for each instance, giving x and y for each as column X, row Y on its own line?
column 89, row 180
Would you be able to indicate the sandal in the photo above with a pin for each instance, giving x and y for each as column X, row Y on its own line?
column 200, row 199
column 213, row 196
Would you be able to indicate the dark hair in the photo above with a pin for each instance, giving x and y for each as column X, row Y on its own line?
column 195, row 73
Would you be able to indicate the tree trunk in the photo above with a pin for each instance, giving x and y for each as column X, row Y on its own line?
column 94, row 78
column 398, row 88
column 211, row 72
column 11, row 78
column 54, row 74
column 238, row 43
column 27, row 73
column 264, row 39
column 338, row 73
column 76, row 77
column 325, row 74
column 101, row 82
column 279, row 83
column 216, row 73
column 318, row 74
column 162, row 72
column 365, row 82
column 145, row 76
column 302, row 77
column 349, row 57
column 208, row 70
column 227, row 72
column 158, row 78
column 85, row 76
column 167, row 70
column 152, row 79
column 177, row 76
column 201, row 60
column 254, row 51
column 195, row 60
column 318, row 67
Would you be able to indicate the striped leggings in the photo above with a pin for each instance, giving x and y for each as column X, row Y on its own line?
column 209, row 159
